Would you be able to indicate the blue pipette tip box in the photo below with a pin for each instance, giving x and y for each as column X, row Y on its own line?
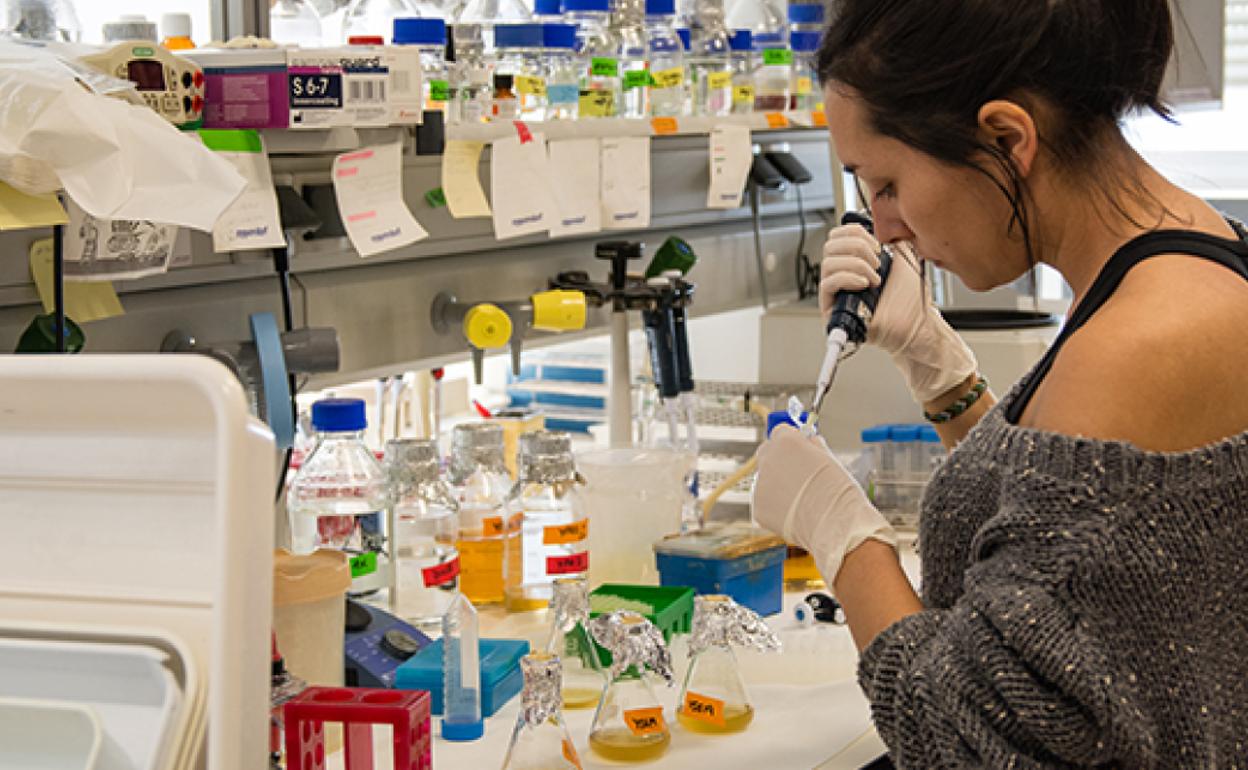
column 462, row 731
column 501, row 679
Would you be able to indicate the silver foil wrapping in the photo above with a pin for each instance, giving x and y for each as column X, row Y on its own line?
column 570, row 603
column 632, row 641
column 543, row 678
column 718, row 621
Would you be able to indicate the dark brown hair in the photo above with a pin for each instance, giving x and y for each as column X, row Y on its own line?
column 924, row 68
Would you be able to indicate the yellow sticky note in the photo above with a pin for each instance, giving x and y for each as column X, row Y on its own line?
column 460, row 183
column 84, row 301
column 19, row 211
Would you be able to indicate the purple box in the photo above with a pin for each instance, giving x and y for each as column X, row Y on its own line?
column 244, row 88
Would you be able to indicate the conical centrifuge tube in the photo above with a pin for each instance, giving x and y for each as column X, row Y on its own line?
column 583, row 677
column 713, row 699
column 629, row 725
column 540, row 740
column 461, row 673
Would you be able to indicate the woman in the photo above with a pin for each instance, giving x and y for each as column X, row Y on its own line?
column 1085, row 594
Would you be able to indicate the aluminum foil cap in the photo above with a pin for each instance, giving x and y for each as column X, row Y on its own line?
column 570, row 603
column 546, row 457
column 476, row 445
column 718, row 621
column 632, row 641
column 411, row 461
column 543, row 678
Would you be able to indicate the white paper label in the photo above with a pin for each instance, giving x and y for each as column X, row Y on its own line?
column 576, row 176
column 625, row 183
column 520, row 187
column 368, row 185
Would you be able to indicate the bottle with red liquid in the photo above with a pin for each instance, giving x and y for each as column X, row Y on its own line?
column 337, row 498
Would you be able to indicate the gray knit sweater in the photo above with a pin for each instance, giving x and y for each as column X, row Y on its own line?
column 1087, row 606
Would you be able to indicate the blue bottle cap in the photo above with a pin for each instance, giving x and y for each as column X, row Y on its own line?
column 339, row 415
column 876, row 434
column 411, row 31
column 928, row 435
column 559, row 35
column 805, row 13
column 768, row 40
column 903, row 432
column 546, row 8
column 518, row 36
column 601, row 6
column 462, row 731
column 782, row 418
column 741, row 40
column 804, row 41
column 660, row 7
column 683, row 34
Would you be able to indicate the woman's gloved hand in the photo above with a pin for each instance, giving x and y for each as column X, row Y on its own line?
column 804, row 495
column 931, row 355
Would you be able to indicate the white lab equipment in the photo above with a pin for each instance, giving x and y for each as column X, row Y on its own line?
column 309, row 612
column 148, row 567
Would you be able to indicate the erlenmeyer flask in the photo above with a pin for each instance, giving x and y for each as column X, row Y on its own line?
column 629, row 725
column 713, row 699
column 583, row 677
column 540, row 740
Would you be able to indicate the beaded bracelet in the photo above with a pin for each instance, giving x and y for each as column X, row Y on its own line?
column 959, row 406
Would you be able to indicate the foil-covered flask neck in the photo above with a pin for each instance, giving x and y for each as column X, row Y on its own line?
column 718, row 621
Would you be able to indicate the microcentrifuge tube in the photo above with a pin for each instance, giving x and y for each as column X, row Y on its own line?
column 461, row 673
column 583, row 677
column 713, row 699
column 540, row 740
column 629, row 725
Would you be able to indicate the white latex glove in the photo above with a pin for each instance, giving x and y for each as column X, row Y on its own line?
column 804, row 495
column 930, row 354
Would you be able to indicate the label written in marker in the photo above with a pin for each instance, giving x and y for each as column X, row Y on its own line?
column 637, row 79
column 526, row 84
column 363, row 564
column 777, row 120
column 596, row 104
column 440, row 574
column 718, row 80
column 804, row 86
column 819, row 119
column 668, row 78
column 664, row 126
column 567, row 565
column 777, row 57
column 439, row 90
column 643, row 722
column 604, row 67
column 743, row 95
column 563, row 534
column 704, row 709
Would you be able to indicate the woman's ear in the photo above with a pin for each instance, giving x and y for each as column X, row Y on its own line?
column 1011, row 128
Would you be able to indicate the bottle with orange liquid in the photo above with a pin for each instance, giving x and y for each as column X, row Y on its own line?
column 481, row 483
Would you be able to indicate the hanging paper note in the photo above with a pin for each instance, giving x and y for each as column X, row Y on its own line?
column 626, row 182
column 368, row 185
column 460, row 182
column 252, row 220
column 115, row 250
column 84, row 302
column 577, row 186
column 19, row 210
column 520, row 187
column 731, row 155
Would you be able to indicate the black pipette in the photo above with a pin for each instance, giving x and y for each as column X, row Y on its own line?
column 851, row 312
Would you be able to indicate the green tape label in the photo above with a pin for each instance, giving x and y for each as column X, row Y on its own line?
column 606, row 68
column 231, row 140
column 637, row 79
column 777, row 57
column 439, row 91
column 364, row 564
column 435, row 197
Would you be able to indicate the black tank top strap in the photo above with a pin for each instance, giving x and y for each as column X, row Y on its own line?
column 1232, row 254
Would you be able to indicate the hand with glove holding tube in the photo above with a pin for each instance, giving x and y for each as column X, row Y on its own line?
column 802, row 492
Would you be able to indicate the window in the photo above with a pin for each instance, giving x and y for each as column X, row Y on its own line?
column 94, row 14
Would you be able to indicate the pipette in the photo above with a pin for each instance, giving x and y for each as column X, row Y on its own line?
column 851, row 313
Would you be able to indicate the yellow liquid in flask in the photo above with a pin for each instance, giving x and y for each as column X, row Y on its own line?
column 736, row 719
column 621, row 745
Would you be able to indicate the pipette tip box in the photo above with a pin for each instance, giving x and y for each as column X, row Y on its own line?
column 501, row 679
column 739, row 560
